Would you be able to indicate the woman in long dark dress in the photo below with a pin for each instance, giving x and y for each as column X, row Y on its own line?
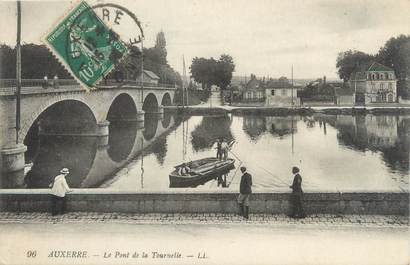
column 297, row 195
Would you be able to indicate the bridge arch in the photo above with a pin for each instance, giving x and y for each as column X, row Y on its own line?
column 122, row 107
column 166, row 99
column 150, row 104
column 60, row 128
column 42, row 108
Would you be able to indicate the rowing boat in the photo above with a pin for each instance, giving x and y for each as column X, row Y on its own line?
column 201, row 171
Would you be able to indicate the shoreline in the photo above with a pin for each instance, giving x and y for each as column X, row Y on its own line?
column 283, row 111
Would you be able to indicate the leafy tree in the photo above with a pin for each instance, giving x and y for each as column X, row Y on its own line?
column 350, row 61
column 224, row 69
column 210, row 72
column 396, row 54
column 154, row 60
column 8, row 62
column 160, row 46
column 36, row 62
column 202, row 70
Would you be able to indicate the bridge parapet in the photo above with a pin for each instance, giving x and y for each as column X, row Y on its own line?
column 57, row 83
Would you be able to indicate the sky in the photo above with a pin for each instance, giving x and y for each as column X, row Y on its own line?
column 264, row 37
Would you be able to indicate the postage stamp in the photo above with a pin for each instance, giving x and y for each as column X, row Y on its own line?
column 85, row 45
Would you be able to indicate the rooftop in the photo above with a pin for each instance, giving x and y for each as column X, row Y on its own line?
column 151, row 74
column 376, row 67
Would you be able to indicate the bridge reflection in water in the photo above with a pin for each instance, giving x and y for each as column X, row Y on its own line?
column 90, row 161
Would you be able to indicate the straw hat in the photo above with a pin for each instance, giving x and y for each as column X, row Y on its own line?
column 64, row 171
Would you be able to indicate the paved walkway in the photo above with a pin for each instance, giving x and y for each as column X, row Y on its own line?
column 209, row 218
column 115, row 238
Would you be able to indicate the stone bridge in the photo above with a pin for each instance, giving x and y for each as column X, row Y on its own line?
column 71, row 110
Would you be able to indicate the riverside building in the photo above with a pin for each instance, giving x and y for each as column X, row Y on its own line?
column 377, row 84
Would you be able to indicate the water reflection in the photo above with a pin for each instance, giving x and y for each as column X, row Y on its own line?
column 210, row 130
column 166, row 120
column 121, row 139
column 333, row 151
column 55, row 152
column 282, row 126
column 150, row 125
column 254, row 126
column 387, row 134
column 159, row 149
column 91, row 163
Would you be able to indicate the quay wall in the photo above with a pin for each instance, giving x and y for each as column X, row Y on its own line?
column 276, row 111
column 97, row 200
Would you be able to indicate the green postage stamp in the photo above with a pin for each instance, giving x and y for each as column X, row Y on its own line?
column 85, row 45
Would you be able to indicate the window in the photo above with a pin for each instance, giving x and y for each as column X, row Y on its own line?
column 373, row 87
column 283, row 92
column 272, row 92
column 381, row 86
column 390, row 86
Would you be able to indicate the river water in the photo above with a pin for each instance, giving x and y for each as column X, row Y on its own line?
column 340, row 152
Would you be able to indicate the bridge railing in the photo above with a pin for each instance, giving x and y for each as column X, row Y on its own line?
column 52, row 83
column 12, row 83
column 130, row 82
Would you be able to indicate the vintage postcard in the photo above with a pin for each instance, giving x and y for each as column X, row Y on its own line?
column 205, row 132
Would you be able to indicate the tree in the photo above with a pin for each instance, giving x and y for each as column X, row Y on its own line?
column 36, row 61
column 154, row 60
column 350, row 61
column 202, row 70
column 8, row 62
column 160, row 46
column 210, row 72
column 224, row 69
column 396, row 54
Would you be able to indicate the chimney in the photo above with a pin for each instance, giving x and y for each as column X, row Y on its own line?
column 324, row 80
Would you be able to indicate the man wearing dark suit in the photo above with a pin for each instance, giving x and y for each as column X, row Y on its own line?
column 245, row 190
column 297, row 195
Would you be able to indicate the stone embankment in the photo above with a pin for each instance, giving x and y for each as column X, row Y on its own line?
column 98, row 200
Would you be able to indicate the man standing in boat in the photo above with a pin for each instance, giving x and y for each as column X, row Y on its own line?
column 245, row 191
column 225, row 149
column 219, row 149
